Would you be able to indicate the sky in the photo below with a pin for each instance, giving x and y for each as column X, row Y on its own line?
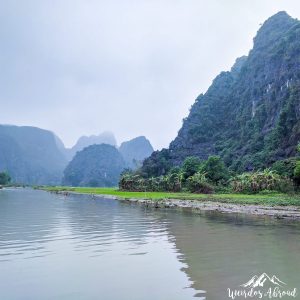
column 133, row 67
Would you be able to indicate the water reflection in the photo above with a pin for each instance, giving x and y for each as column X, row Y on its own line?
column 226, row 250
column 104, row 222
column 27, row 229
column 78, row 247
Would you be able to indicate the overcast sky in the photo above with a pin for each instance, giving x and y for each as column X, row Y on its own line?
column 133, row 67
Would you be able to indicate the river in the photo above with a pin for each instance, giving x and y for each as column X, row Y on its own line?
column 79, row 247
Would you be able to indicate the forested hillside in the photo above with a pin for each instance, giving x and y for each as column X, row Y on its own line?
column 96, row 165
column 249, row 116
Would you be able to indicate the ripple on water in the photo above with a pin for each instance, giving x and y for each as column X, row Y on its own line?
column 104, row 248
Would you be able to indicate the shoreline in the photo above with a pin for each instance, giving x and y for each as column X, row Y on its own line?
column 277, row 212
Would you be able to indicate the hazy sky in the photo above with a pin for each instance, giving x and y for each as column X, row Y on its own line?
column 133, row 67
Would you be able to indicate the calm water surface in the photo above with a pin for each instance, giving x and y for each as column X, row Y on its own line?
column 77, row 247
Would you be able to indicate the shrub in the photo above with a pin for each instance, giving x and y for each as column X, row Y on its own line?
column 259, row 181
column 190, row 166
column 285, row 167
column 297, row 172
column 4, row 178
column 132, row 182
column 198, row 184
column 215, row 170
column 136, row 183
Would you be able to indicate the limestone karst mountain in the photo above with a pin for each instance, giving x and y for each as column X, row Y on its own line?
column 135, row 151
column 31, row 155
column 250, row 116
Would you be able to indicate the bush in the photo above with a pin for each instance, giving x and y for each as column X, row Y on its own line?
column 135, row 183
column 259, row 181
column 157, row 164
column 132, row 182
column 297, row 173
column 190, row 166
column 4, row 178
column 215, row 170
column 198, row 184
column 285, row 167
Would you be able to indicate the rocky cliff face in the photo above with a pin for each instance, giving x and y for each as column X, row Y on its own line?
column 249, row 116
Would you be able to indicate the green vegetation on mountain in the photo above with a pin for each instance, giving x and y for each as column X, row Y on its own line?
column 242, row 134
column 101, row 165
column 250, row 116
column 96, row 165
column 4, row 178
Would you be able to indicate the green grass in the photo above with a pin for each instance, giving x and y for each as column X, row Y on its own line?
column 272, row 199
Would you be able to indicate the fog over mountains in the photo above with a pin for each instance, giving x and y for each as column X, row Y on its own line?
column 105, row 137
column 95, row 165
column 37, row 156
column 101, row 164
column 135, row 151
column 31, row 155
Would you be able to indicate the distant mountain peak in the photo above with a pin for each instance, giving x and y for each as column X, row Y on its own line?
column 136, row 150
column 280, row 14
column 95, row 165
column 273, row 28
column 106, row 137
column 280, row 18
column 31, row 155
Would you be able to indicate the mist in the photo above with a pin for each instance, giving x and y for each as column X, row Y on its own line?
column 131, row 67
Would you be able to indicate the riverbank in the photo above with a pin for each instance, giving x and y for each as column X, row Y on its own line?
column 275, row 205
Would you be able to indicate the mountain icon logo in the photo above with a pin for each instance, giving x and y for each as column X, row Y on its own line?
column 259, row 281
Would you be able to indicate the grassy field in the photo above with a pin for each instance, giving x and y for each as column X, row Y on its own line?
column 271, row 199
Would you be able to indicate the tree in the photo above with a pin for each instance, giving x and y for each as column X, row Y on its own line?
column 198, row 184
column 190, row 166
column 297, row 168
column 157, row 164
column 215, row 170
column 297, row 172
column 286, row 167
column 4, row 178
